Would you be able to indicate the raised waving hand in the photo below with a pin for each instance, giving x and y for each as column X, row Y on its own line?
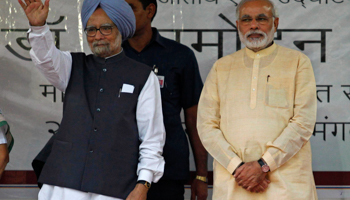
column 36, row 11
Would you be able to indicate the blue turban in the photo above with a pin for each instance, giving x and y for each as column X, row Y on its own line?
column 117, row 10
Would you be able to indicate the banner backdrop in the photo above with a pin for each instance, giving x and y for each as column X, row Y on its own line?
column 318, row 28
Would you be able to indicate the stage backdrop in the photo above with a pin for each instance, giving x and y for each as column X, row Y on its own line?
column 318, row 28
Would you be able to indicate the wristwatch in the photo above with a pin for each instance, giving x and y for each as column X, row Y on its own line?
column 202, row 178
column 145, row 183
column 264, row 167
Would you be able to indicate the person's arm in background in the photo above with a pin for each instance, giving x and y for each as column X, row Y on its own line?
column 191, row 87
column 4, row 154
column 199, row 188
column 4, row 157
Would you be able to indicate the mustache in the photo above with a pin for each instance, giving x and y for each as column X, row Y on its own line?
column 255, row 32
column 97, row 43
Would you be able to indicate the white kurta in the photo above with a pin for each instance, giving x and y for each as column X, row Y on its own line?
column 257, row 105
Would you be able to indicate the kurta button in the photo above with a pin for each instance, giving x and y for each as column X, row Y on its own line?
column 95, row 129
column 91, row 151
column 98, row 109
column 104, row 70
column 101, row 90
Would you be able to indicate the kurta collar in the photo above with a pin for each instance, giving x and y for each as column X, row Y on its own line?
column 115, row 58
column 262, row 53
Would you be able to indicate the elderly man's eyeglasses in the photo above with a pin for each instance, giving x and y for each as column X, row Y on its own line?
column 104, row 30
column 259, row 20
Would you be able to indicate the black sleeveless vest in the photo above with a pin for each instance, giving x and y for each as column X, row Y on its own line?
column 97, row 147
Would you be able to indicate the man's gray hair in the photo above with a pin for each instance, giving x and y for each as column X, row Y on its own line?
column 274, row 9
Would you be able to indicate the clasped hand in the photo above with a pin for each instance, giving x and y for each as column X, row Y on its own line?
column 251, row 177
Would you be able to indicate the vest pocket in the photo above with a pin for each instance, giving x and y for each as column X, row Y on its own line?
column 58, row 159
column 276, row 93
column 125, row 102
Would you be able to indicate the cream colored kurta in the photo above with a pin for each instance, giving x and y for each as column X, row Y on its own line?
column 257, row 105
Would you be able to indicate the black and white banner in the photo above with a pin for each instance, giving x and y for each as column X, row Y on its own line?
column 318, row 28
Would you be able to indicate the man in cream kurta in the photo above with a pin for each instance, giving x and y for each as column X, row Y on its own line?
column 259, row 104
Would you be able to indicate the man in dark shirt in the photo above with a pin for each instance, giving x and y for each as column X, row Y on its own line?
column 181, row 85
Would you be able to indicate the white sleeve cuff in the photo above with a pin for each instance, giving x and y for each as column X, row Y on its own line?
column 234, row 163
column 38, row 29
column 145, row 175
column 269, row 161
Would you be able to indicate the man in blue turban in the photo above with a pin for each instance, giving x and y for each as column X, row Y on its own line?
column 119, row 12
column 111, row 138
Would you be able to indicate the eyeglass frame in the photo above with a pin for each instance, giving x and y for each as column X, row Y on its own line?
column 256, row 19
column 99, row 29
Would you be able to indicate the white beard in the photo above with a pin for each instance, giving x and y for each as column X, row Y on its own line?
column 101, row 50
column 107, row 48
column 257, row 44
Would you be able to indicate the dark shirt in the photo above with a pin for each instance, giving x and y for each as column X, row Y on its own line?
column 180, row 90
